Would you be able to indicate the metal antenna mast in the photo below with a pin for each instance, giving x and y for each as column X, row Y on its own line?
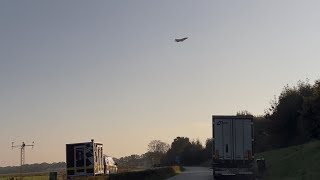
column 22, row 153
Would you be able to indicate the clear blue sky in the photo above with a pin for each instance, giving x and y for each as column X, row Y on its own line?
column 110, row 70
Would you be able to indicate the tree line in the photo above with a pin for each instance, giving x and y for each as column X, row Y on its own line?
column 182, row 151
column 29, row 168
column 293, row 117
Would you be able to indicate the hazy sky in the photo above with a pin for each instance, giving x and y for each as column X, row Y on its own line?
column 71, row 71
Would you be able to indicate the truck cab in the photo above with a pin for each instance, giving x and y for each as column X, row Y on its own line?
column 110, row 167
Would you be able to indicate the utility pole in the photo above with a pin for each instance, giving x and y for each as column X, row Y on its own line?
column 22, row 153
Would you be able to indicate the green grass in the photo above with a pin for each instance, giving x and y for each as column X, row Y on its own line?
column 150, row 174
column 293, row 163
column 31, row 176
column 26, row 178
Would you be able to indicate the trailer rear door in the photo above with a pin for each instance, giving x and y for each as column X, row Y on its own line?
column 223, row 138
column 99, row 165
column 80, row 160
column 218, row 140
column 227, row 139
column 248, row 138
column 238, row 139
column 242, row 129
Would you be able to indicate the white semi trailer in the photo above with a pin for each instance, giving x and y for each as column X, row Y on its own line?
column 232, row 145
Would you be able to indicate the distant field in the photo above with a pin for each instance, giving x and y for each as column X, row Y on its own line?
column 31, row 176
column 133, row 174
column 26, row 178
column 61, row 175
column 293, row 163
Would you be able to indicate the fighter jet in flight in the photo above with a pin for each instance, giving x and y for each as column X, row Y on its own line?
column 181, row 40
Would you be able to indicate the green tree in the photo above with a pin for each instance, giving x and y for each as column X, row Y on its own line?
column 285, row 112
column 193, row 153
column 158, row 146
column 156, row 151
column 175, row 151
column 244, row 113
column 208, row 148
column 310, row 114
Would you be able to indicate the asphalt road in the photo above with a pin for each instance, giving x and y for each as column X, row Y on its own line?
column 194, row 173
column 201, row 173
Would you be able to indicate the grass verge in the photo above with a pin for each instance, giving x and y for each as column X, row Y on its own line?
column 149, row 174
column 293, row 163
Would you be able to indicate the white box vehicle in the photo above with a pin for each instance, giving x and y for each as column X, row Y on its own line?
column 110, row 167
column 232, row 145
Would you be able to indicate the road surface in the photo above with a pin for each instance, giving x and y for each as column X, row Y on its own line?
column 194, row 173
column 201, row 173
